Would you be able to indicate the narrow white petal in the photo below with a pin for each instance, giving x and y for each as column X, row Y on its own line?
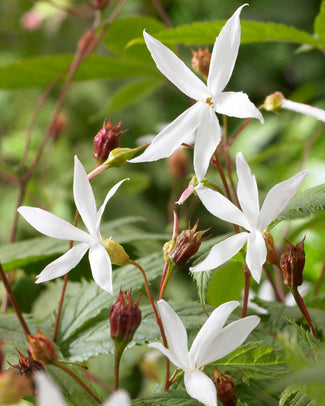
column 63, row 264
column 175, row 333
column 199, row 386
column 101, row 267
column 224, row 54
column 247, row 190
column 118, row 398
column 207, row 139
column 256, row 254
column 172, row 136
column 200, row 349
column 109, row 195
column 221, row 207
column 230, row 338
column 175, row 70
column 84, row 197
column 169, row 354
column 278, row 197
column 222, row 252
column 315, row 112
column 237, row 104
column 48, row 393
column 51, row 225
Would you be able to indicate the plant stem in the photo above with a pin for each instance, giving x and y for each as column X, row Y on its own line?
column 13, row 301
column 247, row 275
column 320, row 279
column 117, row 359
column 301, row 304
column 246, row 122
column 158, row 319
column 77, row 379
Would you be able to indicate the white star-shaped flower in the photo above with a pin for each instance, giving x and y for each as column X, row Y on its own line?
column 212, row 342
column 53, row 226
column 48, row 394
column 254, row 220
column 200, row 120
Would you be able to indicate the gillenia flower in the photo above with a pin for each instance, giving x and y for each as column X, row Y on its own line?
column 99, row 249
column 200, row 121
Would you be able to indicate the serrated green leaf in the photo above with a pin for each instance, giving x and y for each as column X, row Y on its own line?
column 294, row 396
column 41, row 71
column 132, row 93
column 319, row 24
column 311, row 201
column 202, row 280
column 252, row 31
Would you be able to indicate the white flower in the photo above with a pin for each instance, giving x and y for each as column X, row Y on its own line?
column 48, row 394
column 301, row 108
column 53, row 226
column 254, row 220
column 211, row 343
column 200, row 119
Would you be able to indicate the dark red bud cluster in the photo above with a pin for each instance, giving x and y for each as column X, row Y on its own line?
column 292, row 263
column 42, row 348
column 225, row 388
column 125, row 317
column 106, row 140
column 201, row 61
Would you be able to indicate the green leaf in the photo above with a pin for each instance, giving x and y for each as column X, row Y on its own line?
column 311, row 201
column 252, row 31
column 294, row 396
column 132, row 93
column 319, row 24
column 202, row 280
column 41, row 71
column 173, row 397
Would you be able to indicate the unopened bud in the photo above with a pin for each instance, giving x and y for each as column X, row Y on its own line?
column 178, row 163
column 188, row 191
column 58, row 126
column 42, row 348
column 116, row 252
column 27, row 367
column 272, row 256
column 87, row 42
column 12, row 387
column 225, row 388
column 292, row 263
column 106, row 140
column 273, row 102
column 100, row 4
column 125, row 317
column 201, row 61
column 120, row 156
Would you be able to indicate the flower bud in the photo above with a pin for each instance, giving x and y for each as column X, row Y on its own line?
column 178, row 163
column 292, row 263
column 188, row 191
column 42, row 348
column 225, row 388
column 100, row 4
column 125, row 317
column 58, row 126
column 273, row 102
column 272, row 256
column 201, row 61
column 106, row 140
column 116, row 252
column 87, row 42
column 120, row 156
column 12, row 387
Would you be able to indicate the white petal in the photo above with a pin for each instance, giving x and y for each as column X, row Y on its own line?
column 237, row 104
column 101, row 267
column 201, row 347
column 175, row 333
column 231, row 337
column 48, row 393
column 224, row 54
column 199, row 386
column 315, row 112
column 256, row 254
column 222, row 252
column 278, row 197
column 172, row 136
column 207, row 139
column 175, row 70
column 84, row 197
column 51, row 225
column 247, row 190
column 169, row 354
column 221, row 207
column 118, row 398
column 109, row 195
column 63, row 264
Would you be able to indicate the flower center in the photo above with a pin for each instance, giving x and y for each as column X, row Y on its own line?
column 209, row 101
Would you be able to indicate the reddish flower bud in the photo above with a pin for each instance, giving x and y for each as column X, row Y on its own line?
column 272, row 256
column 201, row 61
column 87, row 42
column 42, row 348
column 178, row 163
column 106, row 140
column 125, row 317
column 225, row 388
column 101, row 4
column 58, row 126
column 12, row 387
column 292, row 263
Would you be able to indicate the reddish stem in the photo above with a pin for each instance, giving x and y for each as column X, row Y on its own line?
column 246, row 291
column 247, row 121
column 301, row 304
